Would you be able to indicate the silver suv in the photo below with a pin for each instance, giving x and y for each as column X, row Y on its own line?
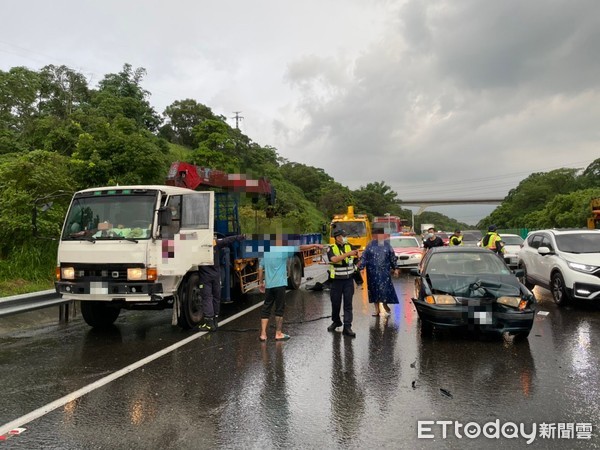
column 567, row 262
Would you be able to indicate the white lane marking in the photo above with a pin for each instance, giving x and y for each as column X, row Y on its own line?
column 36, row 414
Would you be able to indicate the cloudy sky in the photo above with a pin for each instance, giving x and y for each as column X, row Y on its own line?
column 439, row 99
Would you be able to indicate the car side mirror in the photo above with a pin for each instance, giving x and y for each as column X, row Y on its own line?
column 519, row 273
column 544, row 251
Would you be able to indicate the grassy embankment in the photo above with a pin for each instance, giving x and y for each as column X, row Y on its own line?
column 30, row 268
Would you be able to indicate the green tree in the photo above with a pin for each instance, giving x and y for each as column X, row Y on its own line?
column 62, row 90
column 590, row 177
column 376, row 199
column 564, row 211
column 309, row 179
column 531, row 195
column 25, row 180
column 19, row 92
column 212, row 159
column 117, row 151
column 182, row 117
column 334, row 198
column 122, row 94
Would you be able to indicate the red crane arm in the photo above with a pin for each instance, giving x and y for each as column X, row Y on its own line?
column 189, row 176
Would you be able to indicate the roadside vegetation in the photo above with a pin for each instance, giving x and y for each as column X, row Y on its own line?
column 58, row 134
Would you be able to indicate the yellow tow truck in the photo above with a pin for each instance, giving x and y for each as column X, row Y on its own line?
column 593, row 221
column 356, row 226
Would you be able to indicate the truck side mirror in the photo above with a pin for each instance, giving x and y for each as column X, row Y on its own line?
column 164, row 217
column 44, row 204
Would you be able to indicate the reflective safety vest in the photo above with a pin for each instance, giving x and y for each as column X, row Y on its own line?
column 341, row 269
column 454, row 239
column 493, row 242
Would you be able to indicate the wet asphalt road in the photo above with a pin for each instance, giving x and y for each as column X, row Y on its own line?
column 317, row 390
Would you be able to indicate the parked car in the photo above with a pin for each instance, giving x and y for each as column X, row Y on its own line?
column 471, row 238
column 567, row 262
column 471, row 288
column 408, row 249
column 445, row 236
column 512, row 247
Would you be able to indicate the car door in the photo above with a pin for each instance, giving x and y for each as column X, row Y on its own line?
column 545, row 263
column 530, row 256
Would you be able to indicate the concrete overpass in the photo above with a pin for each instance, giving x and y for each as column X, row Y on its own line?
column 423, row 204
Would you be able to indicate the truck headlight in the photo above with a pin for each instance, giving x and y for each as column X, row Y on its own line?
column 67, row 273
column 136, row 273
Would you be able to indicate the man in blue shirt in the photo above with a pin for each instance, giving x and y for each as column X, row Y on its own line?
column 272, row 280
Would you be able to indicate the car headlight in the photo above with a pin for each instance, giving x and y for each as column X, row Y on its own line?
column 416, row 256
column 513, row 302
column 67, row 273
column 441, row 299
column 585, row 268
column 136, row 273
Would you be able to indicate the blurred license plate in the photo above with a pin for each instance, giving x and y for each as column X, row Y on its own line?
column 483, row 317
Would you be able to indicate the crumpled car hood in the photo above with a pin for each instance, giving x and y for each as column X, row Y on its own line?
column 475, row 286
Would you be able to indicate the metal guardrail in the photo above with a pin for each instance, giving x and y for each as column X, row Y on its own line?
column 16, row 304
column 22, row 303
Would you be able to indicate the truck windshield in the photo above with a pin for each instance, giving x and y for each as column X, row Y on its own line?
column 352, row 229
column 127, row 216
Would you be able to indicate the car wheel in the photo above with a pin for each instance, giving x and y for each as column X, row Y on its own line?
column 528, row 284
column 517, row 337
column 559, row 290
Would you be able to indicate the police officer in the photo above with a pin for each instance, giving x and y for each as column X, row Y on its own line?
column 456, row 238
column 493, row 241
column 341, row 270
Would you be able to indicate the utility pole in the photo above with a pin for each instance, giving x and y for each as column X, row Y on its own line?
column 237, row 118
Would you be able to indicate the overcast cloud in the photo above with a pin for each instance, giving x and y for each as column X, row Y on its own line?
column 439, row 99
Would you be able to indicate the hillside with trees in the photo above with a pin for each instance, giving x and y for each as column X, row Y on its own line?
column 556, row 199
column 58, row 135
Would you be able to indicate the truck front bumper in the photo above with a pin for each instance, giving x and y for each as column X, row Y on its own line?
column 108, row 290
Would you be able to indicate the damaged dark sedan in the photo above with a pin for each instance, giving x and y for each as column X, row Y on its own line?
column 473, row 289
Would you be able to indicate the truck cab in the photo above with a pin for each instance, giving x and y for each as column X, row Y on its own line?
column 135, row 247
column 356, row 226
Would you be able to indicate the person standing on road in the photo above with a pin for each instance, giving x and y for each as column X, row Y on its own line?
column 272, row 281
column 456, row 238
column 379, row 259
column 493, row 241
column 432, row 240
column 341, row 272
column 210, row 285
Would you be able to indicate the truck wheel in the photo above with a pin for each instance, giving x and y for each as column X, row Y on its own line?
column 99, row 314
column 295, row 273
column 190, row 303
